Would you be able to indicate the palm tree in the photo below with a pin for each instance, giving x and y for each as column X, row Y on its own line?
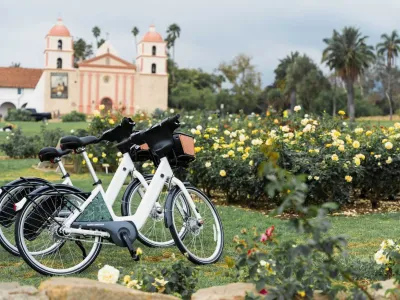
column 135, row 32
column 389, row 47
column 280, row 76
column 173, row 32
column 348, row 54
column 96, row 33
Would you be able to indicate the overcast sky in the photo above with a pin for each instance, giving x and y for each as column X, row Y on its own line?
column 212, row 30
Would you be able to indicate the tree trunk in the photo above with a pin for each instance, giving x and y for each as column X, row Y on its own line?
column 292, row 100
column 389, row 93
column 334, row 100
column 350, row 99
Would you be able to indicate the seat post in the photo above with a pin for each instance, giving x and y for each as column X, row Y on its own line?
column 89, row 164
column 61, row 166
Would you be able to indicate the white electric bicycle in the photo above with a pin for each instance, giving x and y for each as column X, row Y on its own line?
column 46, row 238
column 12, row 193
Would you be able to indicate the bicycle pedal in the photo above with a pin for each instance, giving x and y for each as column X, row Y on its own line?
column 131, row 249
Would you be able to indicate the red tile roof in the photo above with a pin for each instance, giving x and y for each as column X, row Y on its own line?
column 19, row 77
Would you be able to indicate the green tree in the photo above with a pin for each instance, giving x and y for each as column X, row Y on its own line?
column 15, row 65
column 305, row 78
column 280, row 77
column 390, row 48
column 96, row 33
column 245, row 81
column 348, row 54
column 173, row 33
column 135, row 32
column 82, row 51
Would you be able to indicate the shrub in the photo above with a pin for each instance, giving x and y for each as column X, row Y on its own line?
column 74, row 116
column 177, row 279
column 18, row 145
column 19, row 115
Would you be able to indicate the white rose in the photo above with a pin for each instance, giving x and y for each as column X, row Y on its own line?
column 380, row 258
column 108, row 274
column 171, row 110
column 242, row 138
column 210, row 118
column 208, row 164
column 72, row 131
column 193, row 131
column 199, row 127
column 297, row 108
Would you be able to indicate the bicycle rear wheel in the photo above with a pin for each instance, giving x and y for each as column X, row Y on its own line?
column 12, row 193
column 39, row 237
column 203, row 242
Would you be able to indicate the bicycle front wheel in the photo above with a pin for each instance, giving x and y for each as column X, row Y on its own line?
column 40, row 239
column 203, row 240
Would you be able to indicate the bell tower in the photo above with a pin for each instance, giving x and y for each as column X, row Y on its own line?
column 59, row 52
column 152, row 54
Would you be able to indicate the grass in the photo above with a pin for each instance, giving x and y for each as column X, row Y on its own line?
column 32, row 128
column 364, row 233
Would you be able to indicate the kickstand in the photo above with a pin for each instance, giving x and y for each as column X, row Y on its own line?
column 132, row 250
column 80, row 245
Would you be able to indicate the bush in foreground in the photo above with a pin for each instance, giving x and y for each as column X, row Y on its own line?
column 19, row 115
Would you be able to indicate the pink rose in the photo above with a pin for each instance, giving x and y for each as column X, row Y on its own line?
column 269, row 231
column 263, row 238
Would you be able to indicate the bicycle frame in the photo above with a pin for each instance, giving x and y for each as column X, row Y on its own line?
column 163, row 175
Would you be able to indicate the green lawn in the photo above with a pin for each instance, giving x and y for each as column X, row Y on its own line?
column 364, row 233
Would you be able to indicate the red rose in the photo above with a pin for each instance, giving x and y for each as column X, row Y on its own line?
column 263, row 292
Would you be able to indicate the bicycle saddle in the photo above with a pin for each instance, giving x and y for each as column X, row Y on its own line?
column 50, row 153
column 74, row 142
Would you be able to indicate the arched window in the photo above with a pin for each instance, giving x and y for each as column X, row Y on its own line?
column 59, row 63
column 153, row 68
column 154, row 50
column 59, row 45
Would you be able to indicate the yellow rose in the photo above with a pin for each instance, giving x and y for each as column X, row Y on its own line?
column 102, row 107
column 198, row 132
column 239, row 149
column 389, row 160
column 95, row 159
column 302, row 294
column 348, row 178
column 250, row 124
column 222, row 173
column 356, row 144
column 276, row 121
column 127, row 278
column 90, row 155
column 368, row 133
column 358, row 130
column 206, row 136
column 231, row 153
column 197, row 149
column 103, row 155
column 341, row 148
column 357, row 161
column 334, row 157
column 139, row 251
column 388, row 145
column 96, row 113
column 111, row 121
column 251, row 163
column 83, row 162
column 119, row 154
column 341, row 112
column 215, row 146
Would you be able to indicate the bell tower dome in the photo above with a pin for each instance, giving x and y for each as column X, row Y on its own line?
column 152, row 54
column 59, row 52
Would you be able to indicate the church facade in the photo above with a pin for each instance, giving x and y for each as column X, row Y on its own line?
column 104, row 79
